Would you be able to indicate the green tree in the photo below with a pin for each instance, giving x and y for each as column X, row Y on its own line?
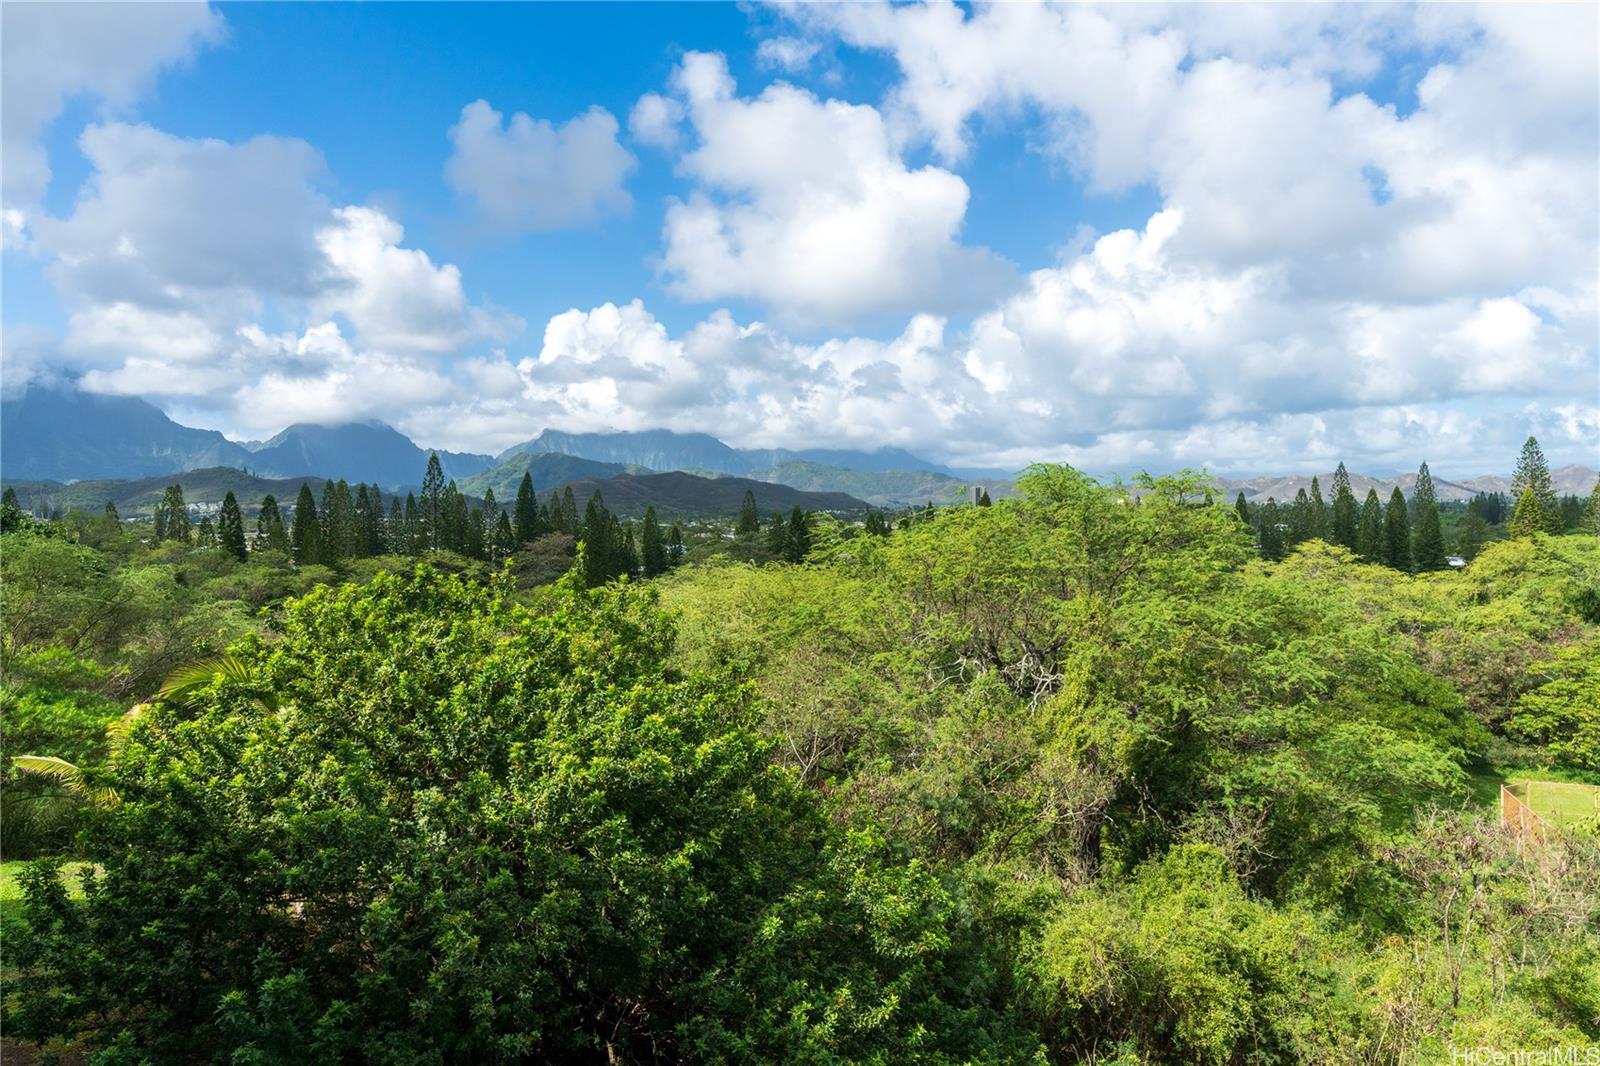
column 1269, row 530
column 1397, row 533
column 1241, row 507
column 604, row 557
column 1369, row 540
column 230, row 527
column 797, row 542
column 172, row 516
column 1300, row 519
column 652, row 550
column 111, row 511
column 1474, row 532
column 1427, row 539
column 206, row 535
column 475, row 543
column 983, row 498
column 430, row 514
column 675, row 546
column 778, row 536
column 749, row 517
column 1563, row 713
column 489, row 832
column 528, row 527
column 270, row 534
column 305, row 539
column 1346, row 520
column 1319, row 511
column 569, row 511
column 503, row 541
column 1533, row 473
column 1591, row 513
column 1529, row 517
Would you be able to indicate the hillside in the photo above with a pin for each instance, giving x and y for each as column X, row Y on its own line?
column 548, row 469
column 677, row 493
column 888, row 488
column 656, row 449
column 138, row 497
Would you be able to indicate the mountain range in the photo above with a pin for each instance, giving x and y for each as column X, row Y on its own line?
column 663, row 449
column 60, row 434
column 1572, row 480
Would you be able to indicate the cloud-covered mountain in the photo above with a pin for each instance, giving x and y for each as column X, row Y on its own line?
column 64, row 434
column 368, row 452
column 61, row 434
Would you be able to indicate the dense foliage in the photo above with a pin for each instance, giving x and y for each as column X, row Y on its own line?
column 1071, row 777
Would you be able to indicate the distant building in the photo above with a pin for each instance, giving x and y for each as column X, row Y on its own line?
column 976, row 491
column 1455, row 561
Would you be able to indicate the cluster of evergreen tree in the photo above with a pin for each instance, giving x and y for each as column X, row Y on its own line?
column 790, row 540
column 1407, row 535
column 611, row 550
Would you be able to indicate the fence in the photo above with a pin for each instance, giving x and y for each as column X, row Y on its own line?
column 1518, row 817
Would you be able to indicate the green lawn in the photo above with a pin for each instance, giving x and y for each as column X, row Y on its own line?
column 1557, row 802
column 11, row 882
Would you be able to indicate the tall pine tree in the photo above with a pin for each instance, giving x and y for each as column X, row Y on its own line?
column 431, row 504
column 652, row 551
column 1533, row 473
column 1319, row 511
column 1369, row 539
column 1241, row 507
column 749, row 517
column 1269, row 534
column 1591, row 513
column 306, row 537
column 230, row 527
column 797, row 543
column 1397, row 532
column 1300, row 519
column 526, row 526
column 270, row 534
column 1344, row 525
column 1427, row 540
column 176, row 514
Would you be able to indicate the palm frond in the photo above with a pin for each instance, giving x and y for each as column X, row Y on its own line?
column 68, row 775
column 184, row 683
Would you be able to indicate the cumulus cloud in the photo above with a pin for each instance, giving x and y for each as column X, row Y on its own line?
column 806, row 206
column 220, row 275
column 655, row 120
column 1244, row 118
column 528, row 174
column 52, row 52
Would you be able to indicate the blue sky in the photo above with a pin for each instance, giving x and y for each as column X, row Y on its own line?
column 1250, row 238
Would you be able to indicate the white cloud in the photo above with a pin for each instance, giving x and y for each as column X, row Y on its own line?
column 528, row 174
column 792, row 54
column 806, row 206
column 219, row 274
column 51, row 52
column 1242, row 117
column 655, row 120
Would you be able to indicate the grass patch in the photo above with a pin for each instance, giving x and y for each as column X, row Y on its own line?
column 1557, row 802
column 11, row 883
